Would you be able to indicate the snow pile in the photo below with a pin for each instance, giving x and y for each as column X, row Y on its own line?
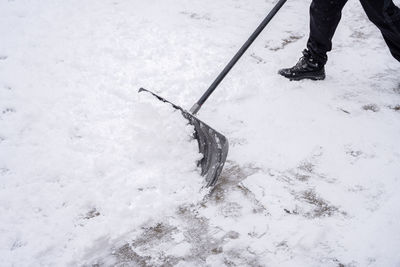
column 95, row 169
column 84, row 158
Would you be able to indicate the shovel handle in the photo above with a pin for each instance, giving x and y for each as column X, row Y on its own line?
column 196, row 107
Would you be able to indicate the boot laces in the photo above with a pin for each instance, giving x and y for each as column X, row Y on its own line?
column 306, row 61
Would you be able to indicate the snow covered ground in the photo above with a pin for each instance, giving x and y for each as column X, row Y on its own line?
column 94, row 174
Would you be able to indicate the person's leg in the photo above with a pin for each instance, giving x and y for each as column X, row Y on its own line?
column 386, row 16
column 324, row 19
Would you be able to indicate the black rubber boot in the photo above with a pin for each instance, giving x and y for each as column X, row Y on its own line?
column 306, row 68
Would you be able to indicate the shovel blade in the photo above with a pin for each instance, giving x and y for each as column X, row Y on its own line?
column 212, row 145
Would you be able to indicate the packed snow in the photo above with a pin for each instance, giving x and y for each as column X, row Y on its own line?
column 93, row 173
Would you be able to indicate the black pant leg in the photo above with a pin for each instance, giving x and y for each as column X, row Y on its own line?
column 386, row 16
column 324, row 18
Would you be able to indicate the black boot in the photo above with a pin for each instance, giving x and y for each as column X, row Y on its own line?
column 306, row 68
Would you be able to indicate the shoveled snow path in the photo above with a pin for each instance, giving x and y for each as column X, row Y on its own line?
column 92, row 173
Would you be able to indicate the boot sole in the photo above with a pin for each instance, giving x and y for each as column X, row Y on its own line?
column 314, row 78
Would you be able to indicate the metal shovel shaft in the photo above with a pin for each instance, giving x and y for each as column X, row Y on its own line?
column 196, row 107
column 213, row 145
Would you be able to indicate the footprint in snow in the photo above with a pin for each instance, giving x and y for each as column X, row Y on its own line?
column 2, row 57
column 354, row 153
column 257, row 59
column 18, row 244
column 3, row 171
column 196, row 16
column 292, row 38
column 395, row 108
column 371, row 107
column 231, row 209
column 91, row 214
column 317, row 206
column 8, row 111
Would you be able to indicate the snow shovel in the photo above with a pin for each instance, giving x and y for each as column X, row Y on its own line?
column 212, row 144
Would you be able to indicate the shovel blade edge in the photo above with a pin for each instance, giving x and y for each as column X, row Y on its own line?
column 212, row 145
